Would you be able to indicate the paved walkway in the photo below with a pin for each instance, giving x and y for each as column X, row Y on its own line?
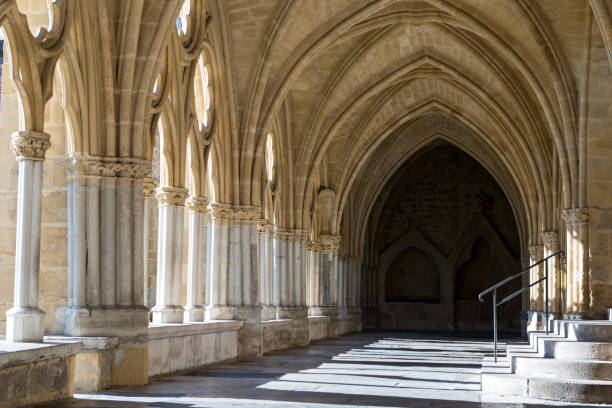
column 367, row 369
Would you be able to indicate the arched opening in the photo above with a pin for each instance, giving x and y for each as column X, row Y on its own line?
column 443, row 232
column 412, row 277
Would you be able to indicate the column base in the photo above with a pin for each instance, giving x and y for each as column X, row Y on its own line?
column 536, row 321
column 250, row 314
column 129, row 323
column 268, row 312
column 193, row 314
column 168, row 314
column 291, row 312
column 323, row 311
column 25, row 324
column 219, row 312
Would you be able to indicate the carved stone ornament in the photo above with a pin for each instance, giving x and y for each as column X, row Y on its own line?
column 123, row 167
column 148, row 187
column 197, row 204
column 30, row 145
column 575, row 216
column 326, row 244
column 289, row 234
column 262, row 226
column 240, row 213
column 536, row 251
column 550, row 237
column 170, row 196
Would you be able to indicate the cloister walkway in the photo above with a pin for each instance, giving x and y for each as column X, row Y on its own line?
column 374, row 369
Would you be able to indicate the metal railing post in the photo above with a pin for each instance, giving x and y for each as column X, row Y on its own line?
column 495, row 325
column 546, row 286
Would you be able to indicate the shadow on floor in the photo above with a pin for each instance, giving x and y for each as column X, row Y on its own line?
column 377, row 369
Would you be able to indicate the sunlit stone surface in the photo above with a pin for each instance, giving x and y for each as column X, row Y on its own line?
column 370, row 369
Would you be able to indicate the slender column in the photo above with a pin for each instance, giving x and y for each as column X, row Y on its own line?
column 266, row 275
column 25, row 321
column 198, row 220
column 168, row 307
column 577, row 275
column 289, row 273
column 231, row 276
column 536, row 253
column 551, row 245
column 323, row 271
column 149, row 241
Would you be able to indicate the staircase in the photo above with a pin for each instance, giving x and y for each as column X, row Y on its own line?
column 571, row 363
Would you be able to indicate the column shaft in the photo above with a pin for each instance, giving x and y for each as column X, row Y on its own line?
column 194, row 310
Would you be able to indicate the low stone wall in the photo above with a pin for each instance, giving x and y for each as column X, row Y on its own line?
column 343, row 324
column 317, row 327
column 283, row 334
column 176, row 347
column 32, row 373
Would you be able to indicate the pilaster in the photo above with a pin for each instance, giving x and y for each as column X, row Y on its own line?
column 198, row 223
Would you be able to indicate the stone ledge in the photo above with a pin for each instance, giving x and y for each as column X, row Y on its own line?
column 278, row 322
column 89, row 343
column 13, row 354
column 169, row 330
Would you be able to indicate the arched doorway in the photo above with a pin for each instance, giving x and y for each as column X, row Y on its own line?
column 446, row 231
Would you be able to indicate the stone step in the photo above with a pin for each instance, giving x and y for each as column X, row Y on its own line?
column 571, row 390
column 566, row 369
column 589, row 330
column 576, row 350
column 574, row 390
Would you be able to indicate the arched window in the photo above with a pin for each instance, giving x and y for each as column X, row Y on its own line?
column 203, row 93
column 181, row 20
column 269, row 158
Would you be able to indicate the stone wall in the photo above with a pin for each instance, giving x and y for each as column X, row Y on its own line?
column 446, row 227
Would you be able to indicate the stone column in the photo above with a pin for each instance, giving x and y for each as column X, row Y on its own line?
column 198, row 224
column 354, row 285
column 168, row 307
column 232, row 277
column 266, row 273
column 551, row 245
column 105, row 260
column 323, row 272
column 536, row 293
column 289, row 274
column 25, row 321
column 577, row 276
column 150, row 240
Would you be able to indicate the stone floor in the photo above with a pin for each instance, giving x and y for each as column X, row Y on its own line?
column 367, row 369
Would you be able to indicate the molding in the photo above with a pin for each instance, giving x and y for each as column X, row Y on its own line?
column 234, row 213
column 170, row 196
column 550, row 237
column 148, row 187
column 288, row 234
column 30, row 145
column 197, row 204
column 326, row 244
column 99, row 166
column 576, row 216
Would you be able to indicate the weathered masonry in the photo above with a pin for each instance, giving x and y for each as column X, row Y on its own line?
column 192, row 181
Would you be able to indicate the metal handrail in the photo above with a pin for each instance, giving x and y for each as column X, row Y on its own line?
column 518, row 292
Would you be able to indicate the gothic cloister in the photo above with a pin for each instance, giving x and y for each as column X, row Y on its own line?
column 197, row 182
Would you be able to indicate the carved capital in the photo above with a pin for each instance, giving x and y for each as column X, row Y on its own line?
column 121, row 167
column 536, row 251
column 234, row 213
column 575, row 216
column 288, row 234
column 262, row 226
column 197, row 204
column 326, row 244
column 148, row 187
column 550, row 237
column 170, row 196
column 30, row 145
